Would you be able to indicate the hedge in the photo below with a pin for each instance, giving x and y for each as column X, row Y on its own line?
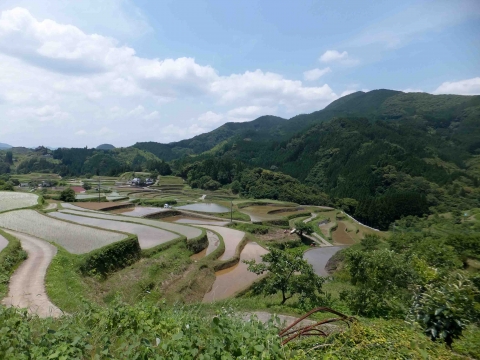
column 111, row 257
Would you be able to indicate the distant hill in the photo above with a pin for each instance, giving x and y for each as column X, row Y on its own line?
column 390, row 105
column 105, row 147
column 5, row 146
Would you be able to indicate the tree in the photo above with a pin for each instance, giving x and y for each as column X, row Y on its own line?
column 303, row 228
column 289, row 274
column 370, row 242
column 382, row 279
column 67, row 195
column 445, row 308
column 87, row 185
column 9, row 157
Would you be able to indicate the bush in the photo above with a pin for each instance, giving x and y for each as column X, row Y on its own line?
column 111, row 257
column 67, row 195
column 444, row 308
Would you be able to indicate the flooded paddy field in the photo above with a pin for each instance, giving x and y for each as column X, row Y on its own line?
column 188, row 231
column 230, row 281
column 204, row 207
column 318, row 258
column 148, row 236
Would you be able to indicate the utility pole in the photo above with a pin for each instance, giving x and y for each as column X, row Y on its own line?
column 98, row 188
column 231, row 211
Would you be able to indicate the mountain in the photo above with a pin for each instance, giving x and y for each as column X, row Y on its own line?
column 374, row 105
column 5, row 146
column 105, row 147
column 386, row 153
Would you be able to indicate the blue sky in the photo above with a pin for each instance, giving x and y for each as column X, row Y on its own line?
column 77, row 73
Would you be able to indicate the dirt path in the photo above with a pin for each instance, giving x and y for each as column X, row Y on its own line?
column 27, row 284
column 310, row 218
column 3, row 243
column 51, row 206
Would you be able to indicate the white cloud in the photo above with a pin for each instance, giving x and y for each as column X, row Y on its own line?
column 270, row 89
column 53, row 71
column 411, row 90
column 210, row 118
column 333, row 55
column 462, row 87
column 315, row 74
column 81, row 132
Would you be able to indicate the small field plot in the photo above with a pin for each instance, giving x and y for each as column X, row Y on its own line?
column 10, row 200
column 230, row 281
column 188, row 231
column 170, row 180
column 148, row 236
column 231, row 238
column 105, row 206
column 74, row 238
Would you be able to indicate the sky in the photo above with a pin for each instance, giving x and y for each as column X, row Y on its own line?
column 76, row 73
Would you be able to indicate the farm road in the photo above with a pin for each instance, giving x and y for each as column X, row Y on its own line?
column 27, row 284
column 3, row 243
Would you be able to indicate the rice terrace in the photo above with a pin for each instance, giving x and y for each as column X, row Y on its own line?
column 216, row 180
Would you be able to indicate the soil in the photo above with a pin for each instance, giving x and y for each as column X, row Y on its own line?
column 341, row 236
column 27, row 284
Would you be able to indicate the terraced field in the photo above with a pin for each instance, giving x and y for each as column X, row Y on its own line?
column 231, row 238
column 148, row 236
column 230, row 281
column 16, row 200
column 188, row 231
column 74, row 238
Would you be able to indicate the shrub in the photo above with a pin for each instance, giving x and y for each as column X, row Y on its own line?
column 111, row 257
column 67, row 195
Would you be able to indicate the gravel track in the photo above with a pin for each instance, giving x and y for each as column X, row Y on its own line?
column 27, row 284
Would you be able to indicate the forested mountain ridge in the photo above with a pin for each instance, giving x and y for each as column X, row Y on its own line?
column 402, row 154
column 374, row 105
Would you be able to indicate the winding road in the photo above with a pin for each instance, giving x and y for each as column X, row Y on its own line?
column 27, row 284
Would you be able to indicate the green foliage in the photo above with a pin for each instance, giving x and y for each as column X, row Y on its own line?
column 198, row 243
column 289, row 274
column 370, row 242
column 250, row 228
column 445, row 307
column 10, row 257
column 382, row 279
column 304, row 228
column 111, row 257
column 68, row 195
column 469, row 343
column 141, row 331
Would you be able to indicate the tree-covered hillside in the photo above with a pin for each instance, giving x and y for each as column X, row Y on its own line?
column 437, row 110
column 405, row 154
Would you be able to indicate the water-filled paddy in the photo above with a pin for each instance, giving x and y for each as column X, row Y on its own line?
column 148, row 236
column 232, row 280
column 319, row 257
column 205, row 207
